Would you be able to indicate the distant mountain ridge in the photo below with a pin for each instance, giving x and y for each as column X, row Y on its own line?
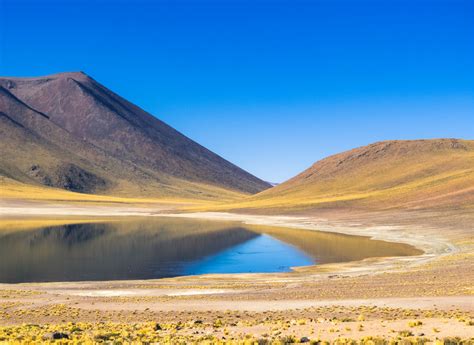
column 410, row 174
column 68, row 131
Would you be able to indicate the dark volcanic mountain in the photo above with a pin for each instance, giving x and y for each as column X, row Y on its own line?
column 69, row 131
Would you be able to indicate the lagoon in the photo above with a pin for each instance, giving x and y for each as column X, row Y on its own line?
column 150, row 248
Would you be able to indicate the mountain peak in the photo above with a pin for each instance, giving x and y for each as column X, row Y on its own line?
column 74, row 75
column 119, row 136
column 78, row 74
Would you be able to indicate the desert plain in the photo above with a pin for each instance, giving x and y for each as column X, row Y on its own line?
column 415, row 299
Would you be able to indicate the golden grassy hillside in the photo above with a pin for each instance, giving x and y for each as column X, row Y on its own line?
column 391, row 174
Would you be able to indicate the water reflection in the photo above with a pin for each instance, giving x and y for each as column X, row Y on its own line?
column 155, row 248
column 326, row 247
column 107, row 251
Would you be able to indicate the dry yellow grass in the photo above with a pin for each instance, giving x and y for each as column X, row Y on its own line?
column 393, row 174
column 10, row 189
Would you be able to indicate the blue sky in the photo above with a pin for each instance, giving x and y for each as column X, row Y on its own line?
column 270, row 85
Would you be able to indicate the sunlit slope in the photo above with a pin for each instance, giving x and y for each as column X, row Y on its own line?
column 389, row 174
column 11, row 190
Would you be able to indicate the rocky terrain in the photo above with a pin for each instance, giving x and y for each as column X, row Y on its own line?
column 70, row 132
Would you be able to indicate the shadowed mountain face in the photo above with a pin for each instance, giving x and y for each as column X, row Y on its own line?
column 69, row 131
column 410, row 174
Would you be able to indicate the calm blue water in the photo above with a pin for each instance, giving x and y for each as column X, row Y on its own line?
column 158, row 248
column 261, row 254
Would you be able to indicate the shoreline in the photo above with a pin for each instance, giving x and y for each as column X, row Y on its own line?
column 375, row 296
column 433, row 246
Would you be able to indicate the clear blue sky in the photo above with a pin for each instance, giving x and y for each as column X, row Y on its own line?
column 270, row 85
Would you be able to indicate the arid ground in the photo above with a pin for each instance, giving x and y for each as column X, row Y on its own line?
column 411, row 299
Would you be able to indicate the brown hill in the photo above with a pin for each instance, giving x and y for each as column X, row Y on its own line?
column 391, row 174
column 69, row 131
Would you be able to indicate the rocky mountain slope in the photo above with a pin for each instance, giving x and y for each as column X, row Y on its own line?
column 69, row 131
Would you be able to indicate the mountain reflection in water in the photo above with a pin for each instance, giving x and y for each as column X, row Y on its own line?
column 166, row 247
